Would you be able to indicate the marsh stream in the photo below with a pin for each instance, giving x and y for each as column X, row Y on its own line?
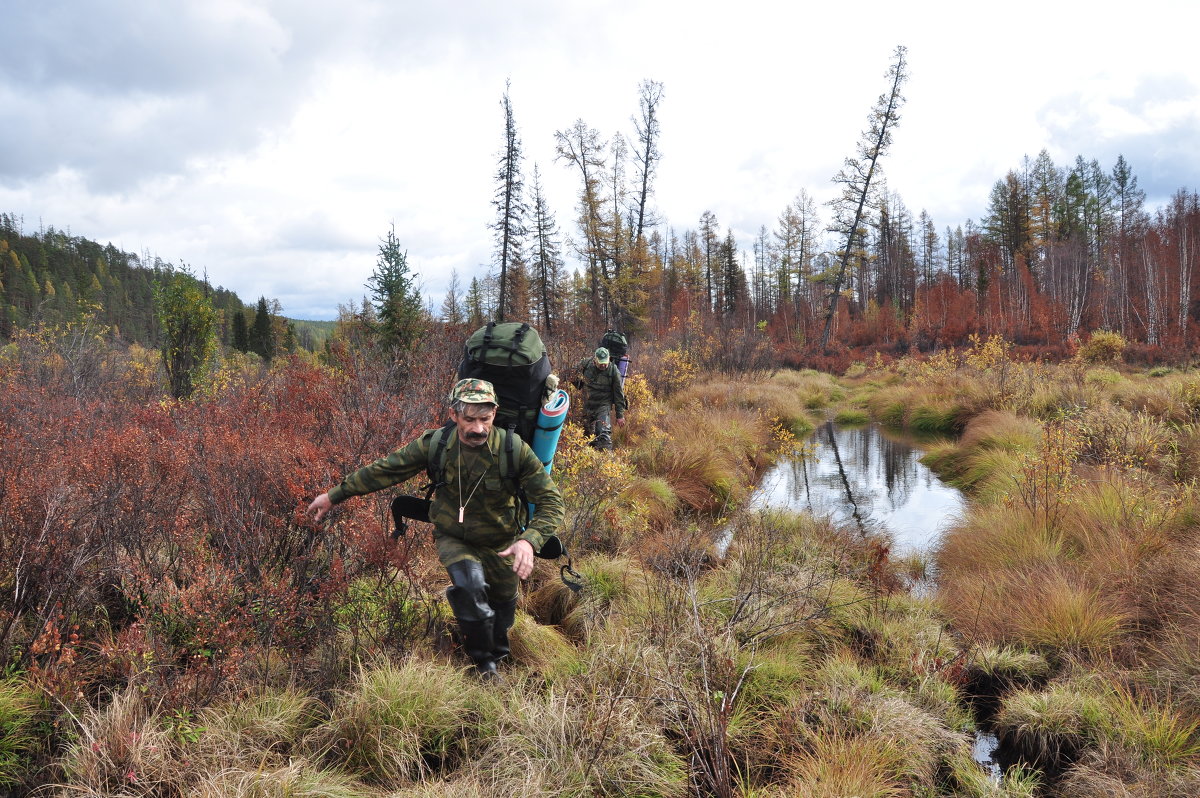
column 872, row 480
column 868, row 478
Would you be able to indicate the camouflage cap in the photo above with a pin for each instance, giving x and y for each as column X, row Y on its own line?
column 601, row 356
column 473, row 392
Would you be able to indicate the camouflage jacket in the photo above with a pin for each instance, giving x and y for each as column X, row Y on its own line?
column 490, row 517
column 604, row 387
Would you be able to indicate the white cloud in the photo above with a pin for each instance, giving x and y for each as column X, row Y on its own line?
column 273, row 143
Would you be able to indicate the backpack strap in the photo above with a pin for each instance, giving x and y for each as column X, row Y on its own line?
column 512, row 477
column 435, row 467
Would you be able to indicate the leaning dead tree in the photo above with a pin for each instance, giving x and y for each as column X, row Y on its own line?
column 855, row 178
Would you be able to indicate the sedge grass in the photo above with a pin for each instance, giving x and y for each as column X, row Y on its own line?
column 297, row 779
column 542, row 649
column 851, row 417
column 653, row 499
column 1051, row 726
column 122, row 744
column 838, row 765
column 940, row 419
column 580, row 742
column 19, row 706
column 969, row 780
column 1156, row 731
column 1101, row 715
column 267, row 720
column 397, row 718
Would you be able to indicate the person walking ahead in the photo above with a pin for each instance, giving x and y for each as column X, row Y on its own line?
column 599, row 376
column 474, row 515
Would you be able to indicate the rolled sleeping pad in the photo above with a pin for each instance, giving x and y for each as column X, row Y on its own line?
column 550, row 421
column 623, row 366
column 549, row 427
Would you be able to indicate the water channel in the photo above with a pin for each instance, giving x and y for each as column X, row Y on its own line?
column 873, row 480
column 866, row 477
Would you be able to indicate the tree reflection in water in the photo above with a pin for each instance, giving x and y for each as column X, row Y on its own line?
column 868, row 478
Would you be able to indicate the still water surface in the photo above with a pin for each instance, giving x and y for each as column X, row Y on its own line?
column 872, row 479
column 866, row 477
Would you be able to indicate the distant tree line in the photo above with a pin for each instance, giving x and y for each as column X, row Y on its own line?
column 1062, row 251
column 52, row 277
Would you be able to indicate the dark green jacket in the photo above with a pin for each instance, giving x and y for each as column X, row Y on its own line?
column 489, row 520
column 604, row 387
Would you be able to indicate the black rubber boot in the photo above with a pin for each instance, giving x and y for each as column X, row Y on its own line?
column 505, row 612
column 478, row 643
column 468, row 600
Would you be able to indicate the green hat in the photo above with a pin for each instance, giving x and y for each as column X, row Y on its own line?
column 601, row 356
column 474, row 392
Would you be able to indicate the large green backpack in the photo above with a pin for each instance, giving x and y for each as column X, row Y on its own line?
column 510, row 355
column 616, row 343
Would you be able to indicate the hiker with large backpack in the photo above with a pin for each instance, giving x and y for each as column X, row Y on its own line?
column 484, row 476
column 599, row 376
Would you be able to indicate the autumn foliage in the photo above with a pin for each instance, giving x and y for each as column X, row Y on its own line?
column 163, row 543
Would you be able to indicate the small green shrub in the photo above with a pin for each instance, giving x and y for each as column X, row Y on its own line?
column 1104, row 346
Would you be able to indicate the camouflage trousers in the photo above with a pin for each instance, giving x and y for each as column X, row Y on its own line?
column 599, row 426
column 497, row 571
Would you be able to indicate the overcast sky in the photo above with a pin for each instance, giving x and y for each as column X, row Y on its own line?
column 273, row 143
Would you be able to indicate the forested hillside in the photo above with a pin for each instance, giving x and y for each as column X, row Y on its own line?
column 53, row 277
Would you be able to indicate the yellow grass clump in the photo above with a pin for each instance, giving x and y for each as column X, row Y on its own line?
column 397, row 717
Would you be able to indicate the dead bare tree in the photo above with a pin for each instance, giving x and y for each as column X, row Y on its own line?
column 855, row 178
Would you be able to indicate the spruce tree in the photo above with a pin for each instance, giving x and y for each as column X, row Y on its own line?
column 241, row 335
column 395, row 296
column 262, row 339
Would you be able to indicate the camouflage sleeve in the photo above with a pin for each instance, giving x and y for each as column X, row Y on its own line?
column 544, row 495
column 399, row 466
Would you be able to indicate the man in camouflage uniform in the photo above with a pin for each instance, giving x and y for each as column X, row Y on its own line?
column 599, row 376
column 474, row 516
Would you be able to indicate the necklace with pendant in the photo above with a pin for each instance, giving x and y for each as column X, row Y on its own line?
column 462, row 505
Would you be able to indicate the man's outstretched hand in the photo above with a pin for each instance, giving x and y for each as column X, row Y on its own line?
column 320, row 506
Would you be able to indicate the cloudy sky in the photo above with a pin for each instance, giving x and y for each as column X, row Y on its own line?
column 272, row 143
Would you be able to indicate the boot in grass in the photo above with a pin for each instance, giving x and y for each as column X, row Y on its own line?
column 478, row 643
column 502, row 622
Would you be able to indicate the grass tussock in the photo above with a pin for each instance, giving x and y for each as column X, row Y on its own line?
column 268, row 720
column 124, row 745
column 586, row 742
column 837, row 765
column 1107, row 720
column 851, row 416
column 1071, row 566
column 297, row 779
column 398, row 722
column 654, row 500
column 969, row 780
column 542, row 649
